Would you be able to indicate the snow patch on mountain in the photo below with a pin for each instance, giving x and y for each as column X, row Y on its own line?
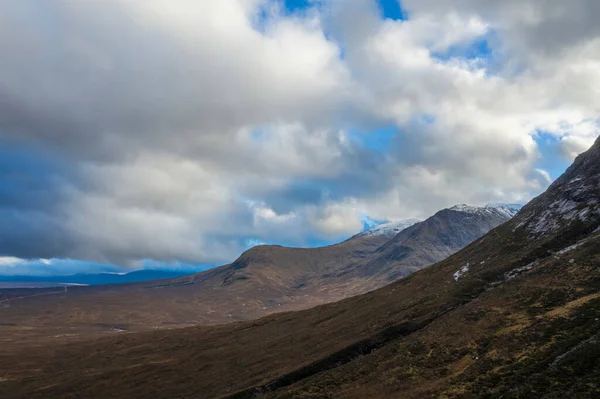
column 463, row 270
column 505, row 210
column 559, row 213
column 573, row 247
column 573, row 198
column 389, row 229
column 508, row 210
column 520, row 270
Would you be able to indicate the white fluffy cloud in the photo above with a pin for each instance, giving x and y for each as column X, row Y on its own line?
column 191, row 128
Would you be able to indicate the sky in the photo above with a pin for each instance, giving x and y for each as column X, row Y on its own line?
column 161, row 134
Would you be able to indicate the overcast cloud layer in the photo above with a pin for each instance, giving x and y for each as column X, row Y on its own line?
column 185, row 131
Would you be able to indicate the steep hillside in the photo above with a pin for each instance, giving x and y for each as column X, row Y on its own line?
column 514, row 315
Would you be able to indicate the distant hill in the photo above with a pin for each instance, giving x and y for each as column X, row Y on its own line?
column 90, row 279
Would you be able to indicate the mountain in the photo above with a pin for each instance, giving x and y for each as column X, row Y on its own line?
column 434, row 239
column 95, row 279
column 516, row 314
column 368, row 260
column 263, row 280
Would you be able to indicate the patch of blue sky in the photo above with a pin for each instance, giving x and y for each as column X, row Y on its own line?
column 67, row 267
column 369, row 223
column 54, row 267
column 377, row 140
column 387, row 140
column 382, row 139
column 478, row 49
column 297, row 5
column 315, row 242
column 279, row 7
column 389, row 9
column 551, row 160
column 483, row 52
column 253, row 242
column 261, row 19
column 151, row 264
column 392, row 9
column 27, row 161
column 260, row 135
column 308, row 242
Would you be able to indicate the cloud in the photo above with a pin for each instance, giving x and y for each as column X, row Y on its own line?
column 10, row 261
column 530, row 25
column 182, row 131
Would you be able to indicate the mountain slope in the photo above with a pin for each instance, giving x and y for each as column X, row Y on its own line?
column 514, row 315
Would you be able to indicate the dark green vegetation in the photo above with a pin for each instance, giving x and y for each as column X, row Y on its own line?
column 519, row 320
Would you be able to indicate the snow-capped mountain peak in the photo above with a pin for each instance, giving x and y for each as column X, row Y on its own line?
column 390, row 229
column 506, row 210
column 466, row 208
column 510, row 210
